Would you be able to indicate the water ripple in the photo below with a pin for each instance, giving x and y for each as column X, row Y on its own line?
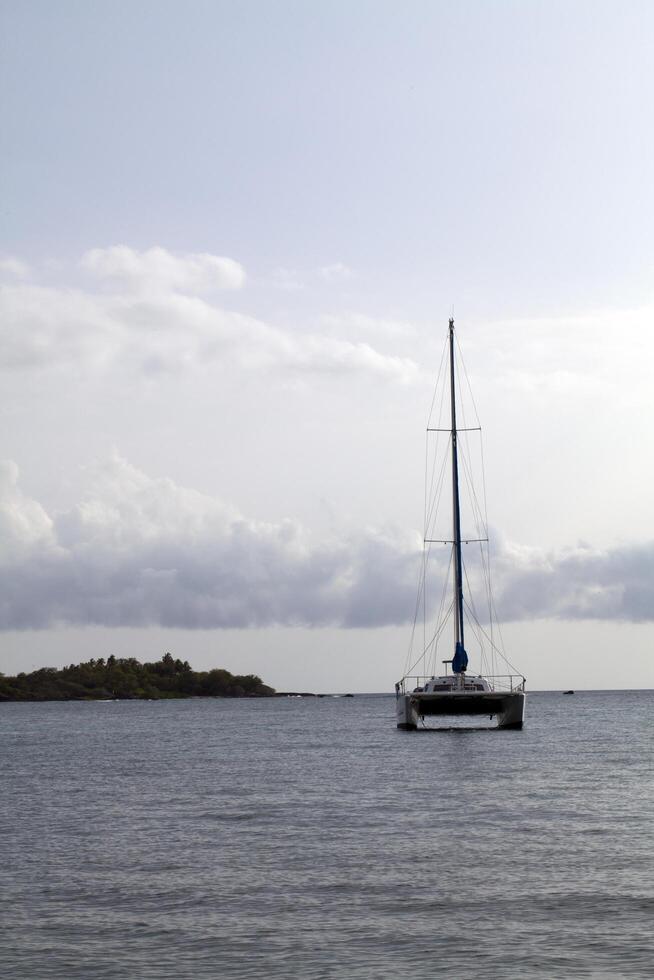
column 309, row 839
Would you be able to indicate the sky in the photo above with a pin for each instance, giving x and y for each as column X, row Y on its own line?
column 232, row 236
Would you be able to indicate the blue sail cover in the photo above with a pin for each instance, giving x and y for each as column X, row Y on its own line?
column 460, row 661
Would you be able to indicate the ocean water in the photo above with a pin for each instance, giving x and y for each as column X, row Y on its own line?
column 308, row 838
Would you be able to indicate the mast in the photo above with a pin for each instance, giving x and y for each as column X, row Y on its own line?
column 460, row 661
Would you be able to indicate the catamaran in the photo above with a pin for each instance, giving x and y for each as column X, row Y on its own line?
column 420, row 694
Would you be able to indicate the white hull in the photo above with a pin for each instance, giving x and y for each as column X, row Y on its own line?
column 508, row 707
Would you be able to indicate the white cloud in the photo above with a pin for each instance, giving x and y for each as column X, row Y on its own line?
column 42, row 327
column 26, row 531
column 361, row 324
column 287, row 279
column 567, row 354
column 139, row 551
column 13, row 268
column 164, row 329
column 158, row 269
column 337, row 272
column 293, row 280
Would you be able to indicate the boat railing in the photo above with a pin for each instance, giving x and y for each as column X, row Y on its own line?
column 498, row 682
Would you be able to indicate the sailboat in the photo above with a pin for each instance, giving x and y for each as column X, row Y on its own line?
column 458, row 692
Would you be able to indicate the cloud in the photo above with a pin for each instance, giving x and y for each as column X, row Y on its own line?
column 13, row 268
column 45, row 327
column 360, row 323
column 565, row 355
column 577, row 584
column 165, row 329
column 25, row 528
column 158, row 269
column 293, row 280
column 337, row 272
column 287, row 279
column 140, row 551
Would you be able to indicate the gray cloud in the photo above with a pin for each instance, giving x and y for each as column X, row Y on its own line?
column 140, row 552
column 613, row 584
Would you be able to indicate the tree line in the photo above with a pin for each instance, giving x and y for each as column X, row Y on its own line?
column 126, row 678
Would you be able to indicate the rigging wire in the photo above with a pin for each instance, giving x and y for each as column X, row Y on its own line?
column 473, row 618
column 419, row 598
column 427, row 508
column 490, row 564
column 438, row 378
column 433, row 643
column 484, row 553
column 499, row 652
column 440, row 619
column 436, row 496
column 440, row 622
column 433, row 490
column 485, row 556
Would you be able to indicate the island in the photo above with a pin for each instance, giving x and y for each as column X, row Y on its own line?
column 118, row 678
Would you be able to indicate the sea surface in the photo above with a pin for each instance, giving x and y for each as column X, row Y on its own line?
column 308, row 838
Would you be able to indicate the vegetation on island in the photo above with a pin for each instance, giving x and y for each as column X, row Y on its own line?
column 123, row 679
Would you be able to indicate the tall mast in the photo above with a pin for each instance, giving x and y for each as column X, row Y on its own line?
column 460, row 662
